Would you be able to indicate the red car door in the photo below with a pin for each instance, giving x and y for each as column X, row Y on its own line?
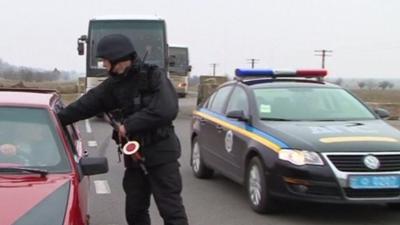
column 82, row 182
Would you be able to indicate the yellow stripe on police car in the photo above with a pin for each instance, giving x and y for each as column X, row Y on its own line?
column 329, row 140
column 240, row 130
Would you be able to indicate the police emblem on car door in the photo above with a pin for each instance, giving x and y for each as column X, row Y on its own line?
column 228, row 141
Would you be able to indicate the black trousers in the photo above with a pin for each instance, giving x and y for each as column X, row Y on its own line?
column 165, row 183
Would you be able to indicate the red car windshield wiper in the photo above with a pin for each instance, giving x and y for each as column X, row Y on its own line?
column 42, row 172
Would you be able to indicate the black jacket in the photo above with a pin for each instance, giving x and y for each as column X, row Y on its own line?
column 148, row 104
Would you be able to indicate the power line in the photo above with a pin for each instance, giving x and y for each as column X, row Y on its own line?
column 323, row 53
column 252, row 61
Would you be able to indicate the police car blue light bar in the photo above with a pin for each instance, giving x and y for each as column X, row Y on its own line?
column 309, row 73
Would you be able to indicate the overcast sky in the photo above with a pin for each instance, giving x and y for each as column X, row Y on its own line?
column 364, row 35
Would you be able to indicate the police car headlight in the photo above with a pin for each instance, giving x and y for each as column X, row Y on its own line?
column 300, row 158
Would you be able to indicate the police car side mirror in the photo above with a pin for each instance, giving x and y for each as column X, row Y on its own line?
column 239, row 115
column 93, row 165
column 189, row 68
column 382, row 113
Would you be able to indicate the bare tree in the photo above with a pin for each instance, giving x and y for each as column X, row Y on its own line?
column 338, row 81
column 11, row 72
column 391, row 85
column 371, row 84
column 384, row 84
column 361, row 84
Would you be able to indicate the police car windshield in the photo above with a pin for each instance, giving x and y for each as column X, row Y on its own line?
column 311, row 104
column 28, row 138
column 146, row 36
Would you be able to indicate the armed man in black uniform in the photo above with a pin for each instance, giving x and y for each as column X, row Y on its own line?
column 148, row 104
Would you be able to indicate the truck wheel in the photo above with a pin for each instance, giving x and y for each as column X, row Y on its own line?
column 200, row 170
column 257, row 188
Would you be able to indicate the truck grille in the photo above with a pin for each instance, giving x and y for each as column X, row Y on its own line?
column 354, row 163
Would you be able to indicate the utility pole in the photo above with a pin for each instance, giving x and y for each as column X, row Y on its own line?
column 323, row 53
column 252, row 61
column 214, row 65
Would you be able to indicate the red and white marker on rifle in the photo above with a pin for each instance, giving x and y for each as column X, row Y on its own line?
column 131, row 147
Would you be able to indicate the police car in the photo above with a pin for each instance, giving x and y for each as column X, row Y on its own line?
column 290, row 135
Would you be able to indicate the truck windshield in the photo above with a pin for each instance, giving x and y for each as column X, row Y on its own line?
column 145, row 35
column 178, row 60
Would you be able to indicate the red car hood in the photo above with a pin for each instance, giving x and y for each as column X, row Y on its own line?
column 20, row 194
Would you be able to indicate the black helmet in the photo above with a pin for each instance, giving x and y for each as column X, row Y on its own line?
column 115, row 47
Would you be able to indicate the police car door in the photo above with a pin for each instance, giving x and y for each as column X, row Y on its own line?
column 214, row 138
column 235, row 144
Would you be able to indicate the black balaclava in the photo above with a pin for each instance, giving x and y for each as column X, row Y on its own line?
column 133, row 59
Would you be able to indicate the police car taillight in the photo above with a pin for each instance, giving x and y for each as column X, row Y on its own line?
column 243, row 73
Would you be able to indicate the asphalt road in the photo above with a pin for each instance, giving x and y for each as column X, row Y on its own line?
column 217, row 201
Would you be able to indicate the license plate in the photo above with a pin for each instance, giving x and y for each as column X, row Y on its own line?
column 374, row 182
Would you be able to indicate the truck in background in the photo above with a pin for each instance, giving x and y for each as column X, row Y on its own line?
column 179, row 69
column 147, row 33
column 207, row 86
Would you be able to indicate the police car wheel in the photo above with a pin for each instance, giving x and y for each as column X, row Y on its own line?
column 200, row 170
column 256, row 186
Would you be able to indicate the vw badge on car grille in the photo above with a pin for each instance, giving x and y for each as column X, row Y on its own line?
column 371, row 162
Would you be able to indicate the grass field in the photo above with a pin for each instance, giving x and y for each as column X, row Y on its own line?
column 68, row 98
column 379, row 96
column 386, row 99
column 67, row 89
column 63, row 87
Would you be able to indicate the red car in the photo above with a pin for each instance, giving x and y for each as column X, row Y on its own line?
column 44, row 171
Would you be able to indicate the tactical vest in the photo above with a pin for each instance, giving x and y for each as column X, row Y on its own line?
column 136, row 94
column 147, row 85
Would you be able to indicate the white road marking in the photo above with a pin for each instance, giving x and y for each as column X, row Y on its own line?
column 88, row 127
column 102, row 187
column 92, row 143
